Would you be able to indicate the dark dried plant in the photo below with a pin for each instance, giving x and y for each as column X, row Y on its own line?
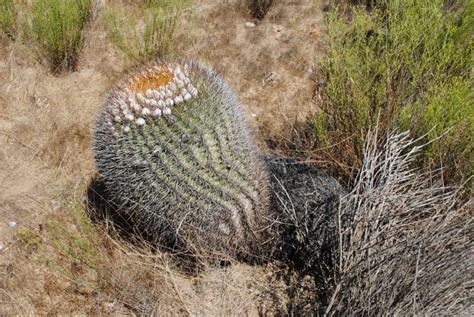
column 259, row 8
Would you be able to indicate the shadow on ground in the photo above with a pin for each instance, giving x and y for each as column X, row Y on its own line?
column 304, row 201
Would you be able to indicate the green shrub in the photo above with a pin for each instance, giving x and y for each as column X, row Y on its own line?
column 405, row 64
column 7, row 18
column 154, row 37
column 57, row 27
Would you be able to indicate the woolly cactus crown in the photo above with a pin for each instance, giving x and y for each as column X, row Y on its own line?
column 172, row 146
column 150, row 94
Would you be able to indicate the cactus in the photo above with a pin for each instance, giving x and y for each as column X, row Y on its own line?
column 173, row 149
column 305, row 201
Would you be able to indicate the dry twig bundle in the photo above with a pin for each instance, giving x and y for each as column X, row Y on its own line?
column 405, row 246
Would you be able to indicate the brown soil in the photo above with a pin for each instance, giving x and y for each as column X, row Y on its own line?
column 272, row 65
column 52, row 259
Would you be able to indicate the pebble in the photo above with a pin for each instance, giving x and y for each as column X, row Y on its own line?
column 249, row 25
column 12, row 224
column 110, row 305
column 277, row 28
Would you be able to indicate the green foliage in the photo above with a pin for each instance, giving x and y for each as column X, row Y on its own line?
column 7, row 18
column 77, row 246
column 73, row 240
column 404, row 64
column 151, row 35
column 29, row 239
column 57, row 27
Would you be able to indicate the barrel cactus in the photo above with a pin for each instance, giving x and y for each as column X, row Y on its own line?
column 172, row 146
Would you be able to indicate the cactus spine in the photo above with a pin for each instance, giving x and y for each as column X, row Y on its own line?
column 173, row 148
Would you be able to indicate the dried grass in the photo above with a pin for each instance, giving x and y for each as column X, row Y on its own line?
column 45, row 125
column 148, row 282
column 270, row 65
column 404, row 242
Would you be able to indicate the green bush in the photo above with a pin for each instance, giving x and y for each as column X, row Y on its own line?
column 154, row 37
column 7, row 18
column 57, row 27
column 403, row 64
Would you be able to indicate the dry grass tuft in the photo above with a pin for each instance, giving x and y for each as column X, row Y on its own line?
column 148, row 282
column 405, row 243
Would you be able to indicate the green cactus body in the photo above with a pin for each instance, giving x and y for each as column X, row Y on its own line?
column 173, row 149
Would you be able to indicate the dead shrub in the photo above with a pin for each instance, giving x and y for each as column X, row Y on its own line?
column 404, row 242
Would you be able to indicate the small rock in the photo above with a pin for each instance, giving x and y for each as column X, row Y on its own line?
column 110, row 305
column 249, row 25
column 313, row 31
column 254, row 115
column 55, row 205
column 1, row 247
column 12, row 224
column 277, row 28
column 72, row 227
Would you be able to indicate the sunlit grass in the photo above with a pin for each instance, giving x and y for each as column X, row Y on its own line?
column 150, row 35
column 7, row 18
column 57, row 28
column 404, row 64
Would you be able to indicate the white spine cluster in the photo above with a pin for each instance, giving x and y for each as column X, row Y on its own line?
column 131, row 108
